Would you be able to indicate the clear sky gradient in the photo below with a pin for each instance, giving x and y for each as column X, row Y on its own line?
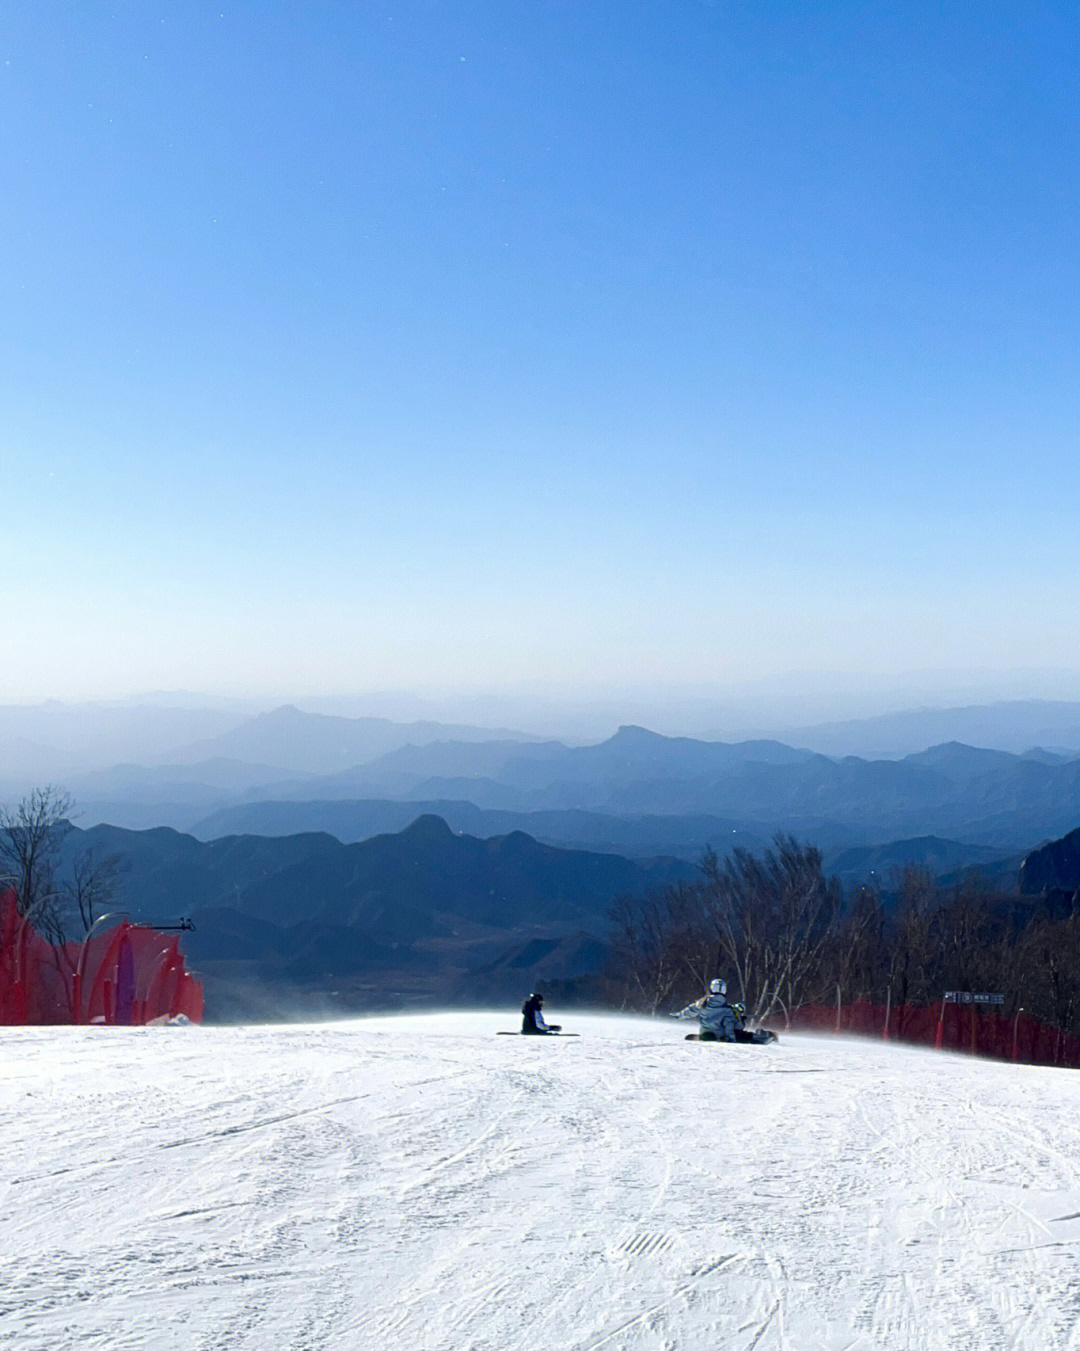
column 347, row 346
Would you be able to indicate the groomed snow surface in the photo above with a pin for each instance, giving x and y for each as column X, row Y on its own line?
column 421, row 1183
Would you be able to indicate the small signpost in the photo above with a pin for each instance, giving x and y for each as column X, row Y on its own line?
column 965, row 997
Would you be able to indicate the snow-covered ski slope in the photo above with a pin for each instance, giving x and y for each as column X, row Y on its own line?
column 422, row 1183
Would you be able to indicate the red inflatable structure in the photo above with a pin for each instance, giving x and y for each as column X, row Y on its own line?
column 947, row 1027
column 128, row 975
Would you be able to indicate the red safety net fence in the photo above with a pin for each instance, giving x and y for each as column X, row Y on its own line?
column 946, row 1026
column 127, row 975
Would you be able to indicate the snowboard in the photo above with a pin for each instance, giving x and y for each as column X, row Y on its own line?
column 536, row 1036
column 762, row 1037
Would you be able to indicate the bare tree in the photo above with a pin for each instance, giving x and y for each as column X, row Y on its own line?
column 92, row 884
column 784, row 936
column 774, row 919
column 655, row 944
column 916, row 936
column 31, row 835
column 855, row 954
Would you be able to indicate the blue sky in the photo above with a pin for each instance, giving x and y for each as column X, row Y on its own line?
column 350, row 346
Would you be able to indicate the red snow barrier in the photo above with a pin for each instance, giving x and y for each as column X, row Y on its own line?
column 948, row 1027
column 128, row 975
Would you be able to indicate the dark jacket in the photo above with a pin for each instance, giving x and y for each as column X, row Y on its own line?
column 532, row 1020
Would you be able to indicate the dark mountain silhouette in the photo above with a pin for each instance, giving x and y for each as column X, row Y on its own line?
column 1053, row 868
column 424, row 902
column 943, row 859
column 684, row 837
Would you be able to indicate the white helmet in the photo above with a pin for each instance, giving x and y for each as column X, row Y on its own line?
column 718, row 987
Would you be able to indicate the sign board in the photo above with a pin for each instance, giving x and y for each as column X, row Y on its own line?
column 967, row 997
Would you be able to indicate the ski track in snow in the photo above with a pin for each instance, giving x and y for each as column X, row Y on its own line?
column 419, row 1182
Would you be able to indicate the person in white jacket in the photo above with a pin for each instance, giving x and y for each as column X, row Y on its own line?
column 714, row 1014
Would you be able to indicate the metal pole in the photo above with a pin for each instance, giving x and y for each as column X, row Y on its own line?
column 80, row 970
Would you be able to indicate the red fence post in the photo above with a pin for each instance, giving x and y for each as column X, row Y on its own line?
column 940, row 1034
column 178, row 994
column 20, row 985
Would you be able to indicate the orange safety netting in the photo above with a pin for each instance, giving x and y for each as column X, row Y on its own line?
column 947, row 1026
column 128, row 975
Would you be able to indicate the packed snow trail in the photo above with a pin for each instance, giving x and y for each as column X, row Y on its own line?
column 419, row 1182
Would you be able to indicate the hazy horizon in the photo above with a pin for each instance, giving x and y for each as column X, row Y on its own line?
column 766, row 708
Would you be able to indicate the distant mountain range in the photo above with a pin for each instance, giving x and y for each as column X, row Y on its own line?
column 426, row 912
column 1016, row 725
column 398, row 887
column 685, row 837
column 421, row 908
column 40, row 742
column 960, row 792
column 609, row 795
column 402, row 858
column 316, row 743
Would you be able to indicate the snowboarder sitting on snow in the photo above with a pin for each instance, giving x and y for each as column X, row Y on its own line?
column 714, row 1013
column 532, row 1020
